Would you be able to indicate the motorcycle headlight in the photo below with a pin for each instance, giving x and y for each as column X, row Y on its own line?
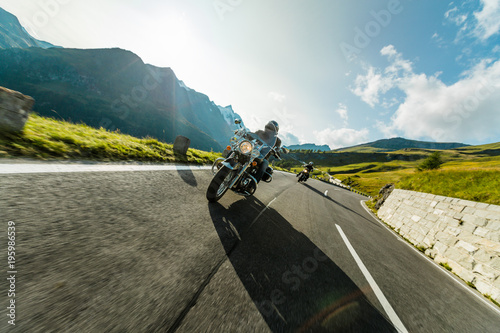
column 246, row 147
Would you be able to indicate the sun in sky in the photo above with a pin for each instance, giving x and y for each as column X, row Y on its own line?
column 330, row 72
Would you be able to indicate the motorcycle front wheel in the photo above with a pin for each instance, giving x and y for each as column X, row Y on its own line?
column 301, row 177
column 219, row 184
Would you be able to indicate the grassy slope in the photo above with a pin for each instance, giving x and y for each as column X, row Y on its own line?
column 46, row 138
column 477, row 185
column 469, row 173
column 476, row 180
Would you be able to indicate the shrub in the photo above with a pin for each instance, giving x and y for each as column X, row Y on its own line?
column 432, row 162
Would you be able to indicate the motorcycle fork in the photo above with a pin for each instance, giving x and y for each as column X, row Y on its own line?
column 243, row 169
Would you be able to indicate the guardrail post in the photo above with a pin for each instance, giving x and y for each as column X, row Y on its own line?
column 181, row 145
column 14, row 110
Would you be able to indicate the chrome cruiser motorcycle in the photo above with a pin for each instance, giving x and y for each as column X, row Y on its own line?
column 237, row 171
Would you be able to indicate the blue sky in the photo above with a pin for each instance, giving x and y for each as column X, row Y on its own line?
column 329, row 71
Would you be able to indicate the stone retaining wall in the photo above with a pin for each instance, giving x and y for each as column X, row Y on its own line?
column 463, row 234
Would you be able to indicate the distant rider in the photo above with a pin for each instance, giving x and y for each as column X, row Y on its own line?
column 309, row 167
column 270, row 136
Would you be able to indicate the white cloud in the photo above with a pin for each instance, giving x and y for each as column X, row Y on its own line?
column 387, row 130
column 398, row 63
column 388, row 50
column 277, row 96
column 342, row 112
column 370, row 86
column 288, row 139
column 488, row 19
column 466, row 110
column 454, row 16
column 481, row 24
column 343, row 137
column 450, row 12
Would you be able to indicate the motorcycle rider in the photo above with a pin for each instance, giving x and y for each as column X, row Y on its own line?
column 270, row 136
column 309, row 167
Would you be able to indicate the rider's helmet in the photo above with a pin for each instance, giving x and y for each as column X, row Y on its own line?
column 272, row 126
column 311, row 163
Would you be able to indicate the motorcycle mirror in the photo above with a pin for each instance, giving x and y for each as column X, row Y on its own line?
column 237, row 121
column 284, row 150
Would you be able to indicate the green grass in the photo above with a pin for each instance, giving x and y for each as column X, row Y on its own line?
column 493, row 300
column 479, row 149
column 445, row 265
column 471, row 173
column 475, row 185
column 471, row 176
column 46, row 138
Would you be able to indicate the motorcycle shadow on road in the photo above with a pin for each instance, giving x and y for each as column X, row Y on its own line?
column 293, row 284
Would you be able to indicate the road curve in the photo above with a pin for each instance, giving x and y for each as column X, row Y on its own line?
column 143, row 250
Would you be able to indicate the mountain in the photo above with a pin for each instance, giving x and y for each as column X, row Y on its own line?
column 114, row 89
column 230, row 116
column 12, row 34
column 387, row 145
column 309, row 146
column 110, row 88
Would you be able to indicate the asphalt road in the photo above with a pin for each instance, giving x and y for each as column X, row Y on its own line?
column 143, row 251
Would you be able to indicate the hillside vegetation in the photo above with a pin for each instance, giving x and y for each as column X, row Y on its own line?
column 470, row 173
column 477, row 185
column 46, row 138
column 114, row 89
column 396, row 144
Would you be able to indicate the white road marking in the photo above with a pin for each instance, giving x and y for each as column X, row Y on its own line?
column 326, row 193
column 441, row 269
column 385, row 304
column 262, row 212
column 65, row 168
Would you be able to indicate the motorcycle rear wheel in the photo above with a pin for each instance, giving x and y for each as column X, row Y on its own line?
column 219, row 184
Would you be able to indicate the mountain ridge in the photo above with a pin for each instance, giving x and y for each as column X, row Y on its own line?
column 398, row 143
column 13, row 34
column 110, row 88
column 114, row 89
column 309, row 146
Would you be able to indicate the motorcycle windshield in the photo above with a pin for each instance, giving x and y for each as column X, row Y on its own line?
column 268, row 138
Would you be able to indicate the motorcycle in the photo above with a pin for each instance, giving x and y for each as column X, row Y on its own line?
column 303, row 175
column 237, row 170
